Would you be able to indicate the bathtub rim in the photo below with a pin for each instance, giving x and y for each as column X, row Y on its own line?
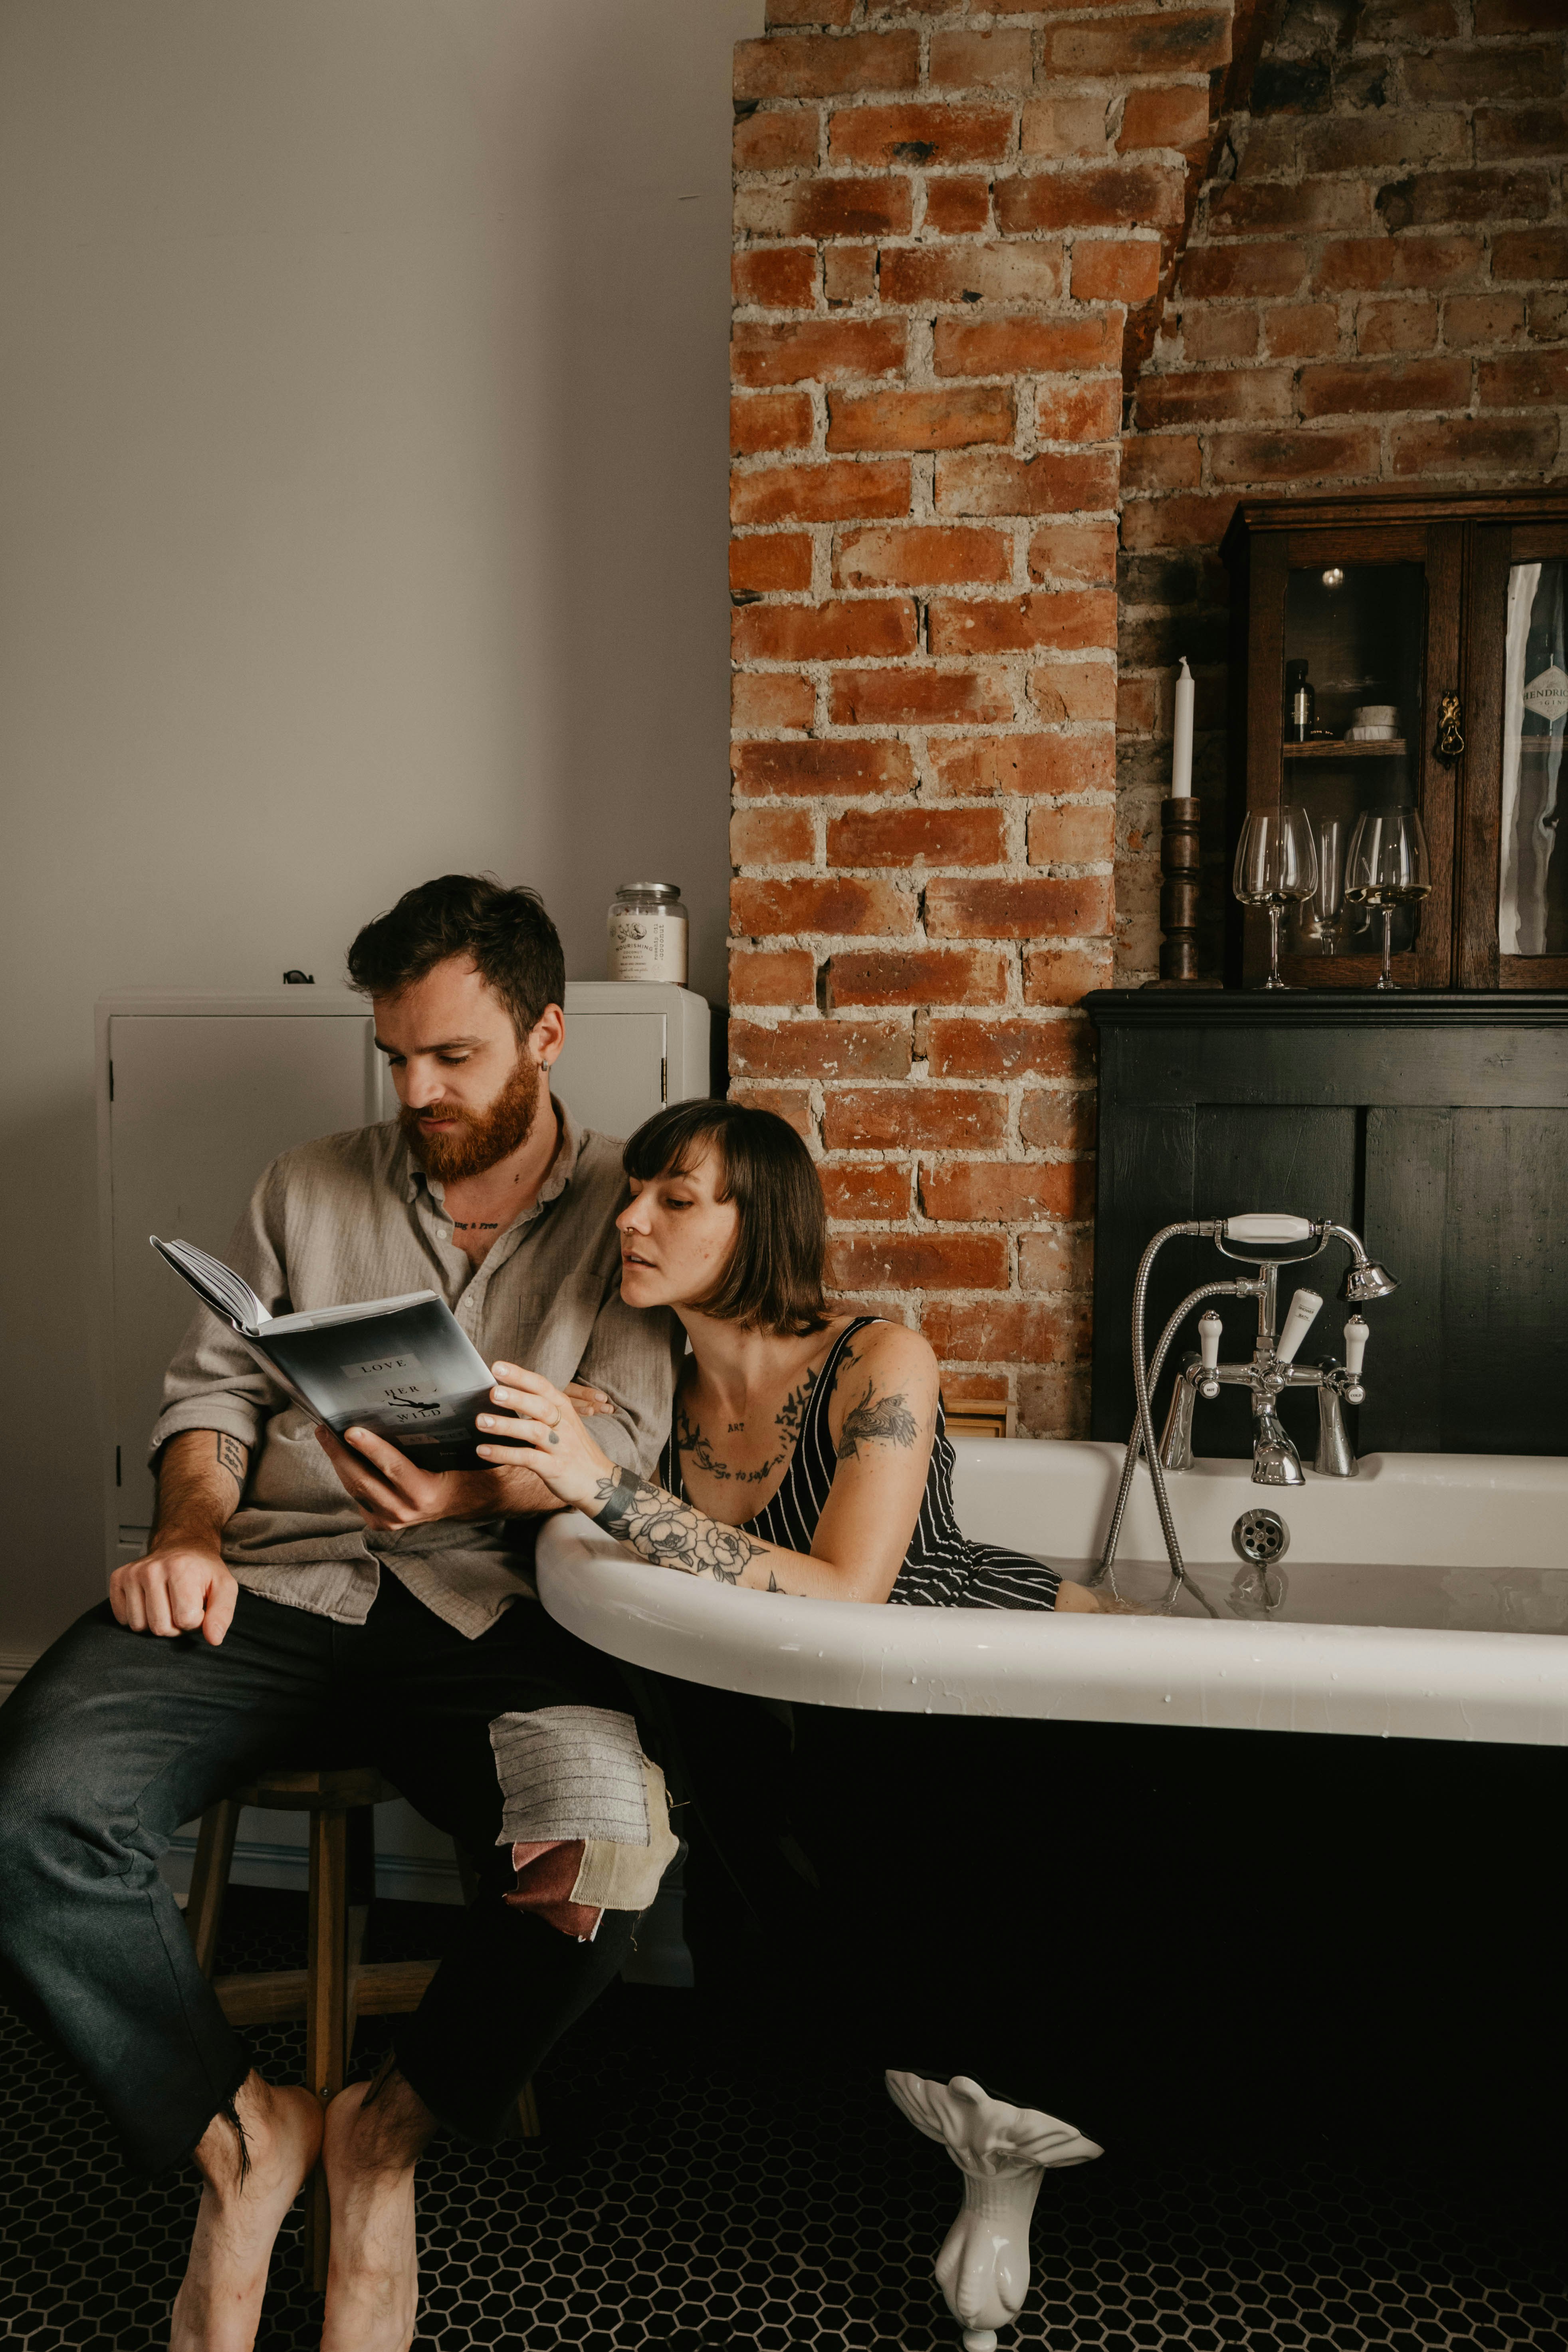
column 1365, row 1681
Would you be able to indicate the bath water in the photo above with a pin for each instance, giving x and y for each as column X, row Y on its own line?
column 1308, row 1593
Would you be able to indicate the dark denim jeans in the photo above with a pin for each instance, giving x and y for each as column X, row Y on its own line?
column 115, row 1739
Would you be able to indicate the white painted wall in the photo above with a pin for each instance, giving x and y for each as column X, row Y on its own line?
column 363, row 400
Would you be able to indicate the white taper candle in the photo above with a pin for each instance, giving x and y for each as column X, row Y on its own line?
column 1182, row 743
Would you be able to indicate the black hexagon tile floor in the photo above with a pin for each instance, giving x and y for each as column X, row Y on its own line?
column 687, row 2205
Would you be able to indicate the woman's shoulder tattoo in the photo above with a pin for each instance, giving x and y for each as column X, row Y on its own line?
column 885, row 1419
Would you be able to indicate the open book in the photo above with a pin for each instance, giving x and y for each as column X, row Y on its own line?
column 399, row 1366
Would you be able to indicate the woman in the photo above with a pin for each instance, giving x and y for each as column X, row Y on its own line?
column 808, row 1453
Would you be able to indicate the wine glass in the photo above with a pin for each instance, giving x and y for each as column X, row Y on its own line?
column 1275, row 865
column 1329, row 899
column 1388, row 866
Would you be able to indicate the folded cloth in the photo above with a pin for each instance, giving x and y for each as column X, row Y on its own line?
column 585, row 1814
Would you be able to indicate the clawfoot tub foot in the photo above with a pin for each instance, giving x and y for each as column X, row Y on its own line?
column 1003, row 2152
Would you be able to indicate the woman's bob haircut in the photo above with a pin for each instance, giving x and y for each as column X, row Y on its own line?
column 773, row 1280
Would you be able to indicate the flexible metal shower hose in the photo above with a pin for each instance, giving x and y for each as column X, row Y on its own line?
column 1144, row 1379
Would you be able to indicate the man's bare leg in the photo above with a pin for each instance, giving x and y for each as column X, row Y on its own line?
column 218, row 2307
column 375, row 2132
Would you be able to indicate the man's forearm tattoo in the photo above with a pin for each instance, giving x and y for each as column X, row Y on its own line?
column 670, row 1533
column 888, row 1418
column 232, row 1457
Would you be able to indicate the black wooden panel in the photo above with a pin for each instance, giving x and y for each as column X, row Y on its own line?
column 1406, row 1189
column 1433, row 1123
column 1290, row 1060
column 1505, row 1286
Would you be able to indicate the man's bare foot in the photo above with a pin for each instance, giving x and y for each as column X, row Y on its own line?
column 218, row 2307
column 373, row 2279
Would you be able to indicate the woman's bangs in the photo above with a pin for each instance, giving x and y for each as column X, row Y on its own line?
column 674, row 1143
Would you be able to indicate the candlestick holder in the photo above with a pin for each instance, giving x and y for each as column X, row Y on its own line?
column 1180, row 870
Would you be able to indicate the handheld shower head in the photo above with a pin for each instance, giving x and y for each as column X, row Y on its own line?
column 1365, row 1280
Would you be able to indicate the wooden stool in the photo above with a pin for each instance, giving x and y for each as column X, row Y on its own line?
column 336, row 1988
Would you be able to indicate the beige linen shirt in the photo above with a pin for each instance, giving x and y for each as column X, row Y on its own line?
column 352, row 1217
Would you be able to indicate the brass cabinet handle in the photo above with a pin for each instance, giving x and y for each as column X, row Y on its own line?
column 1450, row 728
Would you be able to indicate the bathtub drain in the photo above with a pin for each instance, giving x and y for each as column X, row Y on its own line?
column 1260, row 1537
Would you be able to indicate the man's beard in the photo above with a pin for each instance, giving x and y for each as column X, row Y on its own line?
column 482, row 1138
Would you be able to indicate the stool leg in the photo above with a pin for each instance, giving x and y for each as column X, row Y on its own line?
column 326, row 2007
column 209, row 1879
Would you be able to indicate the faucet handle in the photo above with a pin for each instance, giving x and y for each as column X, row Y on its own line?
column 1305, row 1308
column 1210, row 1332
column 1358, row 1331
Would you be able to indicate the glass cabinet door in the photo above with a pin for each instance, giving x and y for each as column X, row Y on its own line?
column 1351, row 721
column 1533, row 876
column 1353, row 635
column 1513, row 912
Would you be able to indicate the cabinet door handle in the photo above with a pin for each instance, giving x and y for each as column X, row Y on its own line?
column 1450, row 728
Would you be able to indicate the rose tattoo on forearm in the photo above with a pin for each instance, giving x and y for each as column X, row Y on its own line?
column 670, row 1534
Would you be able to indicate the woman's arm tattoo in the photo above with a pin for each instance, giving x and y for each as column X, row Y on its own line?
column 670, row 1534
column 888, row 1418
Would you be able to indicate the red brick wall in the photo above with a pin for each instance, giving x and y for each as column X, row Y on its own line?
column 1374, row 291
column 955, row 228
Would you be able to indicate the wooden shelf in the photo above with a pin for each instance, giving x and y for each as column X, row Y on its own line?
column 1393, row 750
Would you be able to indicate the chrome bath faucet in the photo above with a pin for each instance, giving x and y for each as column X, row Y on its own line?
column 1274, row 1368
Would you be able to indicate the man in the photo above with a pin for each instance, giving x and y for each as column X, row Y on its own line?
column 307, row 1598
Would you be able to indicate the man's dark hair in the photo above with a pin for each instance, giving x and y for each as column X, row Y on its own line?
column 773, row 1279
column 514, row 945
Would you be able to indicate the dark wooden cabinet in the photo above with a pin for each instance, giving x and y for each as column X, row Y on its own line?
column 1404, row 610
column 1433, row 1123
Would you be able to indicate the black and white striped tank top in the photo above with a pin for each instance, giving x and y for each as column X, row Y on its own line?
column 942, row 1570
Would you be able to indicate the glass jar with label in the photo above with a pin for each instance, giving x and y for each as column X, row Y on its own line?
column 648, row 932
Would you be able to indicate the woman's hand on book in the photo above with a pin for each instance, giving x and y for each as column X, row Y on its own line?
column 547, row 1437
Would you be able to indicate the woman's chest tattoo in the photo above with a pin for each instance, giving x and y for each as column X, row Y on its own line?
column 788, row 1422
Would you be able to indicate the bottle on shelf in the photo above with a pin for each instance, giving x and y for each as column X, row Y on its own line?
column 1300, row 703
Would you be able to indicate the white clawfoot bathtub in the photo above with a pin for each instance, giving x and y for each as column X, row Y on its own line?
column 1425, row 1599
